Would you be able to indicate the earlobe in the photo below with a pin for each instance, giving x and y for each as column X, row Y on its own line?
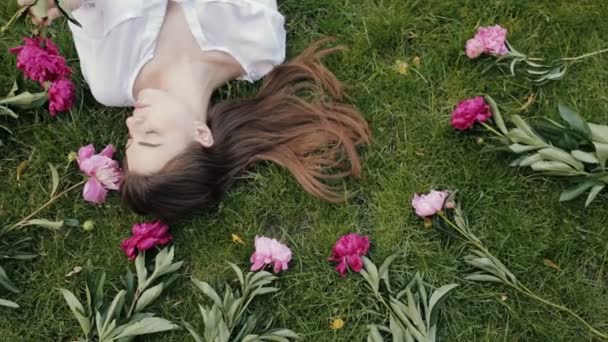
column 203, row 135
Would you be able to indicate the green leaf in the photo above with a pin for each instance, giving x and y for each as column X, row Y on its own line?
column 575, row 191
column 6, row 282
column 371, row 274
column 601, row 151
column 521, row 124
column 147, row 325
column 44, row 223
column 555, row 154
column 148, row 297
column 208, row 291
column 77, row 310
column 8, row 112
column 384, row 268
column 518, row 148
column 599, row 133
column 531, row 159
column 55, row 180
column 496, row 115
column 483, row 277
column 141, row 271
column 575, row 121
column 437, row 298
column 518, row 135
column 595, row 190
column 238, row 272
column 192, row 331
column 585, row 157
column 374, row 334
column 551, row 166
column 113, row 310
column 26, row 100
column 8, row 304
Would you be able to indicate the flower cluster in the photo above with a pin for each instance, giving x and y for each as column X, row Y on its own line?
column 145, row 236
column 469, row 112
column 270, row 252
column 348, row 252
column 39, row 60
column 490, row 40
column 104, row 173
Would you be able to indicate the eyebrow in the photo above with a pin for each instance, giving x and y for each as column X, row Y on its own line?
column 142, row 143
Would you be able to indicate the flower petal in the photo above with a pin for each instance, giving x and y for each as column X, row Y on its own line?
column 94, row 191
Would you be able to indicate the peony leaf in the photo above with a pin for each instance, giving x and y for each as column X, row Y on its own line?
column 552, row 153
column 372, row 272
column 8, row 112
column 44, row 223
column 575, row 191
column 585, row 157
column 77, row 310
column 551, row 166
column 55, row 180
column 141, row 271
column 238, row 272
column 374, row 334
column 6, row 282
column 208, row 291
column 521, row 124
column 8, row 304
column 575, row 121
column 601, row 151
column 595, row 190
column 148, row 297
column 437, row 298
column 147, row 325
column 384, row 268
column 477, row 276
column 518, row 135
column 496, row 115
column 599, row 133
column 518, row 148
column 530, row 159
column 26, row 100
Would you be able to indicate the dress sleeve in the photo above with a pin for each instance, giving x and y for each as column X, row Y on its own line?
column 252, row 31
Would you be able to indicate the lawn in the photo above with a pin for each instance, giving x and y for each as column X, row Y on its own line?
column 517, row 215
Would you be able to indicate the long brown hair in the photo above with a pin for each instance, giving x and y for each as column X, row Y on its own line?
column 297, row 119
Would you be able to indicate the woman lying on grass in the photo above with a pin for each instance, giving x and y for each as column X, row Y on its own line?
column 167, row 58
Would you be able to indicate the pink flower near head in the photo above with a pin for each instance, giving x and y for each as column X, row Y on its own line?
column 270, row 252
column 474, row 48
column 429, row 204
column 39, row 60
column 348, row 252
column 61, row 96
column 470, row 111
column 104, row 173
column 493, row 39
column 145, row 236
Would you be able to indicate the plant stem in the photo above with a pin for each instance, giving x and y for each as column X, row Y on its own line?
column 572, row 59
column 44, row 206
column 12, row 20
column 523, row 289
column 491, row 129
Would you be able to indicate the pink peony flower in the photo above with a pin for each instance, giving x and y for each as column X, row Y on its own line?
column 270, row 251
column 39, row 60
column 474, row 48
column 429, row 204
column 104, row 173
column 348, row 252
column 61, row 96
column 145, row 236
column 493, row 39
column 470, row 111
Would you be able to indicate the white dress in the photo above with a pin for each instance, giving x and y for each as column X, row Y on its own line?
column 119, row 36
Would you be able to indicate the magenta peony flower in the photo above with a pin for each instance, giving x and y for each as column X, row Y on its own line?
column 39, row 60
column 474, row 48
column 429, row 204
column 270, row 252
column 104, row 173
column 348, row 252
column 470, row 111
column 145, row 236
column 493, row 39
column 61, row 96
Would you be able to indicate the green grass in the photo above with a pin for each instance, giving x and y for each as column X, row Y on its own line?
column 517, row 216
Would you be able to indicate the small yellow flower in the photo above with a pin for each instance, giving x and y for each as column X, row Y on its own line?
column 337, row 324
column 402, row 67
column 72, row 156
column 237, row 239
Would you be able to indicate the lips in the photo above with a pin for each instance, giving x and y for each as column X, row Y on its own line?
column 140, row 105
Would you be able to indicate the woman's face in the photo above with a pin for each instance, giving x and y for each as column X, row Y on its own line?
column 160, row 128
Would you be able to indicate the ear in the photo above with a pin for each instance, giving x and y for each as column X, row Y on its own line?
column 202, row 134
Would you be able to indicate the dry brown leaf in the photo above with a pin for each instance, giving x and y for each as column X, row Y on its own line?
column 550, row 263
column 237, row 239
column 21, row 169
column 528, row 103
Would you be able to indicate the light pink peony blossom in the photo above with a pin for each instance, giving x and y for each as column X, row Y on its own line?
column 494, row 39
column 429, row 204
column 61, row 96
column 474, row 48
column 39, row 60
column 270, row 252
column 104, row 173
column 348, row 252
column 469, row 112
column 145, row 236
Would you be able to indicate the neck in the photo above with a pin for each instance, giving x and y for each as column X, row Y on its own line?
column 192, row 83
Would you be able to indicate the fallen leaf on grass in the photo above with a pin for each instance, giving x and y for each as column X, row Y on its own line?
column 528, row 103
column 550, row 263
column 21, row 170
column 237, row 239
column 402, row 67
column 76, row 270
